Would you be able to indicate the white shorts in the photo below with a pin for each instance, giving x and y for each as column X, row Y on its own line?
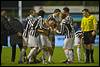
column 68, row 43
column 32, row 41
column 77, row 41
column 25, row 41
column 45, row 41
column 39, row 41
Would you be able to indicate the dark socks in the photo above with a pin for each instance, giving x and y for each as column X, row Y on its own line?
column 87, row 55
column 91, row 53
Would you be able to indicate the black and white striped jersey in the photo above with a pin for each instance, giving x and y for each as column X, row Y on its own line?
column 56, row 18
column 78, row 33
column 25, row 21
column 29, row 29
column 34, row 25
column 41, row 25
column 67, row 27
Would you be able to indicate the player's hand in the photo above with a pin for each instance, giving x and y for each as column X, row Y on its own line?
column 40, row 30
column 93, row 33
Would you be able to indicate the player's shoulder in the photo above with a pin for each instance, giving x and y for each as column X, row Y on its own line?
column 92, row 16
column 78, row 31
column 83, row 18
column 39, row 17
column 68, row 17
column 63, row 20
column 51, row 15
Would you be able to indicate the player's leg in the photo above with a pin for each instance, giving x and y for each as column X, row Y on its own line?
column 45, row 53
column 25, row 44
column 50, row 54
column 35, row 53
column 71, row 52
column 70, row 60
column 77, row 42
column 22, row 55
column 91, row 54
column 53, row 45
column 79, row 53
column 44, row 48
column 87, row 50
column 50, row 50
column 20, row 44
column 66, row 50
column 30, row 54
column 91, row 48
column 84, row 51
column 13, row 53
column 49, row 58
column 89, row 40
column 39, row 49
column 32, row 42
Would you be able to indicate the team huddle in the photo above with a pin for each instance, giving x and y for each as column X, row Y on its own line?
column 39, row 35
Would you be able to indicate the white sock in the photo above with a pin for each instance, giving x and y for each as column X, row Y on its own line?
column 70, row 55
column 49, row 58
column 31, row 53
column 67, row 53
column 43, row 57
column 35, row 54
column 78, row 54
column 22, row 53
column 30, row 59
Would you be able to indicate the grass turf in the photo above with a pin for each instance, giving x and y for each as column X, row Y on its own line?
column 58, row 57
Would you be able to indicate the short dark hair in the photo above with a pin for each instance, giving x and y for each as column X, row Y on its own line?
column 57, row 10
column 86, row 10
column 63, row 15
column 41, row 13
column 31, row 11
column 66, row 9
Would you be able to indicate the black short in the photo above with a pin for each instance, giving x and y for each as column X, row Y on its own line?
column 88, row 37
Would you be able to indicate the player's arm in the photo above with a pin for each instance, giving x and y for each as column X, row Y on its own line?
column 46, row 22
column 42, row 31
column 95, row 23
column 48, row 19
column 95, row 26
column 82, row 24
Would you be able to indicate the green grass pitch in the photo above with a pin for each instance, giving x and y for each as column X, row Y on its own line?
column 58, row 57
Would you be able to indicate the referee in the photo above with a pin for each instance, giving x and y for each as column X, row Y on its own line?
column 88, row 26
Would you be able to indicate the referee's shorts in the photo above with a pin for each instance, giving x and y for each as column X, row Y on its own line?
column 88, row 37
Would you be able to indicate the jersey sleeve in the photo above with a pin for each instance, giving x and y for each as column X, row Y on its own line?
column 94, row 22
column 82, row 21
